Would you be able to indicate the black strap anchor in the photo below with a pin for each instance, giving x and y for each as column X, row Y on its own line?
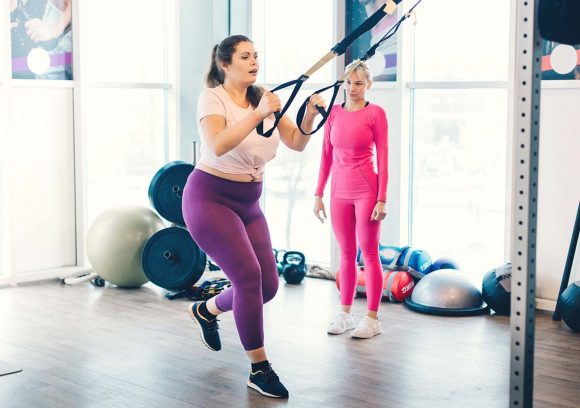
column 339, row 49
column 368, row 55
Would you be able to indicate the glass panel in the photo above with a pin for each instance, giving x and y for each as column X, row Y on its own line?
column 289, row 197
column 459, row 40
column 459, row 176
column 125, row 146
column 42, row 190
column 124, row 41
column 291, row 36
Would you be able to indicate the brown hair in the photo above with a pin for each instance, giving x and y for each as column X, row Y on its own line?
column 222, row 54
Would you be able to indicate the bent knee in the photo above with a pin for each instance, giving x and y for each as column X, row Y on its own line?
column 269, row 290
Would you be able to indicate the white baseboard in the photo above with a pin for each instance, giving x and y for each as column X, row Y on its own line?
column 46, row 274
column 5, row 281
column 545, row 304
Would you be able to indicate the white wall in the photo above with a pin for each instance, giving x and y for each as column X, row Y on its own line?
column 202, row 24
column 558, row 184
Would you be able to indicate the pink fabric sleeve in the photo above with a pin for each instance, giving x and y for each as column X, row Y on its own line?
column 325, row 160
column 209, row 103
column 381, row 131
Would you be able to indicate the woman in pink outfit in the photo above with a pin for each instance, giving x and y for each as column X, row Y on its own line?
column 355, row 139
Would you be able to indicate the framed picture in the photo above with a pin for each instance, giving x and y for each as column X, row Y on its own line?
column 41, row 39
column 384, row 63
column 560, row 61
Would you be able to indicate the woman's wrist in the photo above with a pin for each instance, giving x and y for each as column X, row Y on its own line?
column 311, row 114
column 259, row 117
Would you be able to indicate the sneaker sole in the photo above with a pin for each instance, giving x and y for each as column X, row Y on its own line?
column 190, row 312
column 255, row 387
column 336, row 334
column 364, row 338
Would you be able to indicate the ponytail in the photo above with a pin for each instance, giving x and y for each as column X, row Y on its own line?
column 215, row 75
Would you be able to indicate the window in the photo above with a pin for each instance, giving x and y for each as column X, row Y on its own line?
column 125, row 146
column 126, row 116
column 97, row 140
column 289, row 197
column 124, row 41
column 290, row 37
column 459, row 40
column 459, row 133
column 459, row 175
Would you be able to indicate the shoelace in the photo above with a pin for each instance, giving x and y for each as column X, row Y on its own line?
column 270, row 375
column 212, row 325
column 342, row 322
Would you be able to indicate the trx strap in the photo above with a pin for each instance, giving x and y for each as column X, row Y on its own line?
column 369, row 54
column 339, row 49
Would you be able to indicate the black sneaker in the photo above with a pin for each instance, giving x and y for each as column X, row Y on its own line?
column 209, row 328
column 267, row 383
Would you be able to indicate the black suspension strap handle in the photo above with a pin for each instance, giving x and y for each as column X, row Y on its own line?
column 369, row 54
column 323, row 113
column 278, row 115
column 339, row 49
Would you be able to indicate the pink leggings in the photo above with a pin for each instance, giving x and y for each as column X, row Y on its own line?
column 350, row 217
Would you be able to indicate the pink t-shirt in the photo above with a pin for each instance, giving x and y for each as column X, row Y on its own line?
column 252, row 154
column 351, row 141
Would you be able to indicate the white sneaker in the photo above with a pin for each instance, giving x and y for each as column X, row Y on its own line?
column 342, row 322
column 367, row 328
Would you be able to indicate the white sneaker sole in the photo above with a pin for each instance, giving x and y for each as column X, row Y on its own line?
column 255, row 387
column 342, row 332
column 355, row 336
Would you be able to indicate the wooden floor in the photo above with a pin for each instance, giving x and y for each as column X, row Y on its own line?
column 82, row 346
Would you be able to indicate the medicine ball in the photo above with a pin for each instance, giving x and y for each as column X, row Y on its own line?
column 496, row 289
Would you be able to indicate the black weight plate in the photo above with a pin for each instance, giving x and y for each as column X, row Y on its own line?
column 166, row 190
column 172, row 260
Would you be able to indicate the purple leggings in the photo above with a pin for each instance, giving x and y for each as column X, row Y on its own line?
column 225, row 220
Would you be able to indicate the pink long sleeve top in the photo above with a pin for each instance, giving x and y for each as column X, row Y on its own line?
column 351, row 142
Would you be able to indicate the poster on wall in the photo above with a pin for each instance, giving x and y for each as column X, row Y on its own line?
column 384, row 63
column 41, row 39
column 560, row 61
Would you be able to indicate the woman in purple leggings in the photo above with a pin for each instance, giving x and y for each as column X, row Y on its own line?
column 221, row 198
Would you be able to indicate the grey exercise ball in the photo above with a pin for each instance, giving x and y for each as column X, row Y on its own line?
column 115, row 241
column 447, row 292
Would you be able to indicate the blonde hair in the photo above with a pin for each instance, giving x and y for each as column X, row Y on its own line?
column 362, row 67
